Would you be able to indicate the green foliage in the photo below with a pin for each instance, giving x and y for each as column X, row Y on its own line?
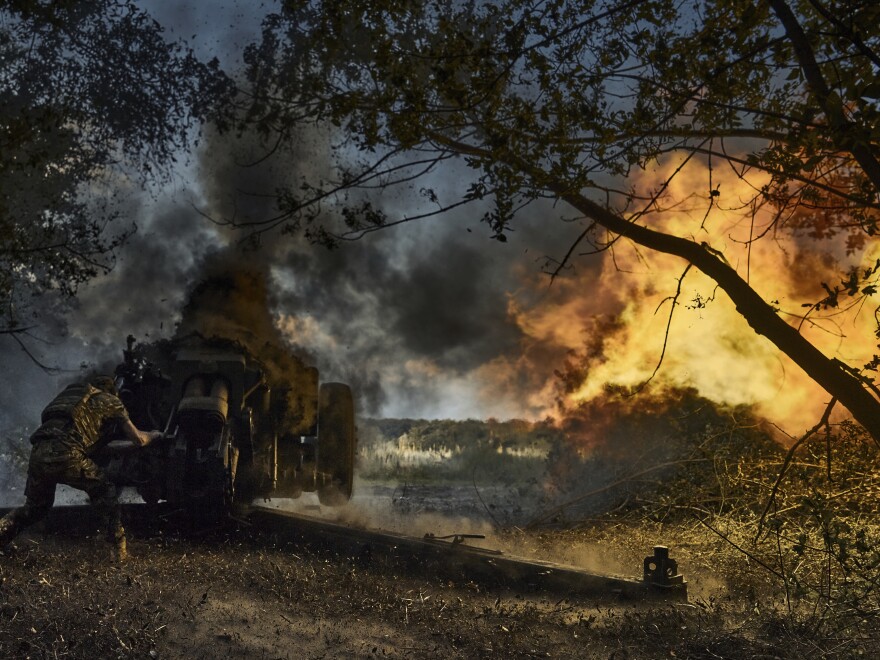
column 559, row 96
column 455, row 451
column 90, row 91
column 822, row 528
column 657, row 456
column 818, row 546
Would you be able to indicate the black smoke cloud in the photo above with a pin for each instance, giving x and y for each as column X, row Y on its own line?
column 420, row 293
column 409, row 316
column 452, row 308
column 144, row 294
column 445, row 303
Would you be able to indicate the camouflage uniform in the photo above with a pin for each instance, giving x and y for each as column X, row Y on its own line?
column 78, row 422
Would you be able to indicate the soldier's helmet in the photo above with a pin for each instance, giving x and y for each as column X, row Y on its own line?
column 104, row 383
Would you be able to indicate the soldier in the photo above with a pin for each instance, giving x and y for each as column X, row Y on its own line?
column 82, row 419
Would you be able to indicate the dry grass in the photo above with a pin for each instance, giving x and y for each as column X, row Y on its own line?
column 802, row 583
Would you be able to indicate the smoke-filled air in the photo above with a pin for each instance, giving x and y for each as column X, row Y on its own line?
column 502, row 328
column 435, row 320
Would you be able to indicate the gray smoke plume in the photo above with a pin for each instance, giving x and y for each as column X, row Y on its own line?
column 408, row 316
column 416, row 318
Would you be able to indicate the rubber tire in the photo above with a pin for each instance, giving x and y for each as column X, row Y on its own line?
column 336, row 442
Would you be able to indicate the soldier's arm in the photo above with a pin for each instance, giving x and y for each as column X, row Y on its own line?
column 141, row 438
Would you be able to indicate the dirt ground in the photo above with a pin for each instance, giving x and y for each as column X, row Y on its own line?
column 235, row 592
column 801, row 582
column 239, row 597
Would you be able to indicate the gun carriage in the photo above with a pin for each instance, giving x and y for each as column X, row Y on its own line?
column 233, row 430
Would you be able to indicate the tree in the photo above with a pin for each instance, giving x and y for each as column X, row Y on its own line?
column 563, row 100
column 88, row 91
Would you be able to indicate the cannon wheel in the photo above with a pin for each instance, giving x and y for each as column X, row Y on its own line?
column 336, row 443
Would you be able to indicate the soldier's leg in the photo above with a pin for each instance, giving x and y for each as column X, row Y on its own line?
column 40, row 494
column 87, row 476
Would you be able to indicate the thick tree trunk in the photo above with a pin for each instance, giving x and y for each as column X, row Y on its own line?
column 829, row 373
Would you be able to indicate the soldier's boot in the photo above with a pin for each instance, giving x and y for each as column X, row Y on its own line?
column 9, row 528
column 118, row 546
column 120, row 551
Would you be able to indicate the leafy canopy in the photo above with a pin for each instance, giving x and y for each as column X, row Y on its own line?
column 88, row 90
column 570, row 100
column 564, row 95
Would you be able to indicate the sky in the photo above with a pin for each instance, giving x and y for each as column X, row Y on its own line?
column 220, row 28
column 413, row 319
column 432, row 319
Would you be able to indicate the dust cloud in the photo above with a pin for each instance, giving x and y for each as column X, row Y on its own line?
column 384, row 509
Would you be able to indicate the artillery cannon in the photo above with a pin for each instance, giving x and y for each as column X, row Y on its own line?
column 233, row 430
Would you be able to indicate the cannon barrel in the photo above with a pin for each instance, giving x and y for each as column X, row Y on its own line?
column 205, row 402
